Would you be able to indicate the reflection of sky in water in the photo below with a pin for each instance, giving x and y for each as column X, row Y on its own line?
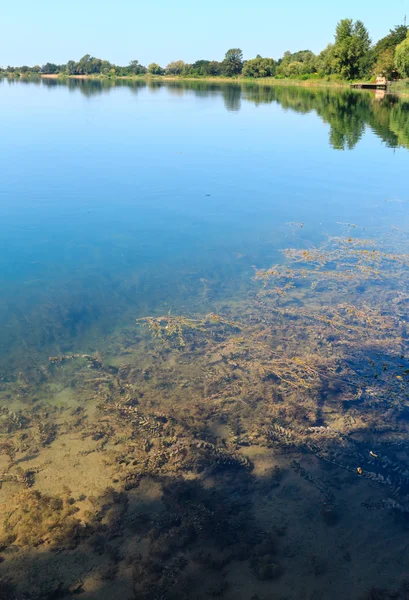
column 130, row 197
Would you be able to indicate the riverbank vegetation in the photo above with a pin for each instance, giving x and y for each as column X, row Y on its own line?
column 351, row 56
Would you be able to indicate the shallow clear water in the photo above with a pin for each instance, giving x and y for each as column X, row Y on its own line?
column 251, row 441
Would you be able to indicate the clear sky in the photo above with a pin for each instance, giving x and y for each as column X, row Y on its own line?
column 36, row 31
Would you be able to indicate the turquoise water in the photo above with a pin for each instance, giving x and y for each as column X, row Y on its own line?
column 120, row 198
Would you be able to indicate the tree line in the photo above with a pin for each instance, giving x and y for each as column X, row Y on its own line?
column 351, row 56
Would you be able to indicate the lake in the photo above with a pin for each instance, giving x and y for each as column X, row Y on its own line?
column 204, row 341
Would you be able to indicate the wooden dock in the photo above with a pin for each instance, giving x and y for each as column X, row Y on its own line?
column 369, row 86
column 381, row 83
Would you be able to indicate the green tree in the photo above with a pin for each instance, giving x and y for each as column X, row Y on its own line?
column 402, row 57
column 71, row 67
column 390, row 41
column 383, row 52
column 259, row 67
column 204, row 68
column 200, row 67
column 233, row 62
column 385, row 64
column 215, row 68
column 325, row 61
column 135, row 68
column 352, row 43
column 49, row 69
column 155, row 69
column 297, row 63
column 176, row 67
column 83, row 65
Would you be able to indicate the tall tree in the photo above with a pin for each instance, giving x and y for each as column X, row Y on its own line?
column 352, row 43
column 385, row 64
column 136, row 68
column 390, row 41
column 71, row 67
column 233, row 62
column 382, row 55
column 402, row 57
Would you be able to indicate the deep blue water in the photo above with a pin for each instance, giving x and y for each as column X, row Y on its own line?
column 115, row 201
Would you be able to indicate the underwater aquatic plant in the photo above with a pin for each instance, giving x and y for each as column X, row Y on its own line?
column 309, row 388
column 38, row 519
column 9, row 449
column 169, row 326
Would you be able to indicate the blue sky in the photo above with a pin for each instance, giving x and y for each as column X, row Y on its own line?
column 34, row 31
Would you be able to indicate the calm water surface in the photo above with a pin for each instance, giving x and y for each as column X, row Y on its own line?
column 121, row 198
column 256, row 445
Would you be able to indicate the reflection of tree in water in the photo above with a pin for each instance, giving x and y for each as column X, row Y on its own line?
column 232, row 97
column 93, row 87
column 399, row 123
column 33, row 79
column 232, row 93
column 347, row 112
column 153, row 84
column 346, row 119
